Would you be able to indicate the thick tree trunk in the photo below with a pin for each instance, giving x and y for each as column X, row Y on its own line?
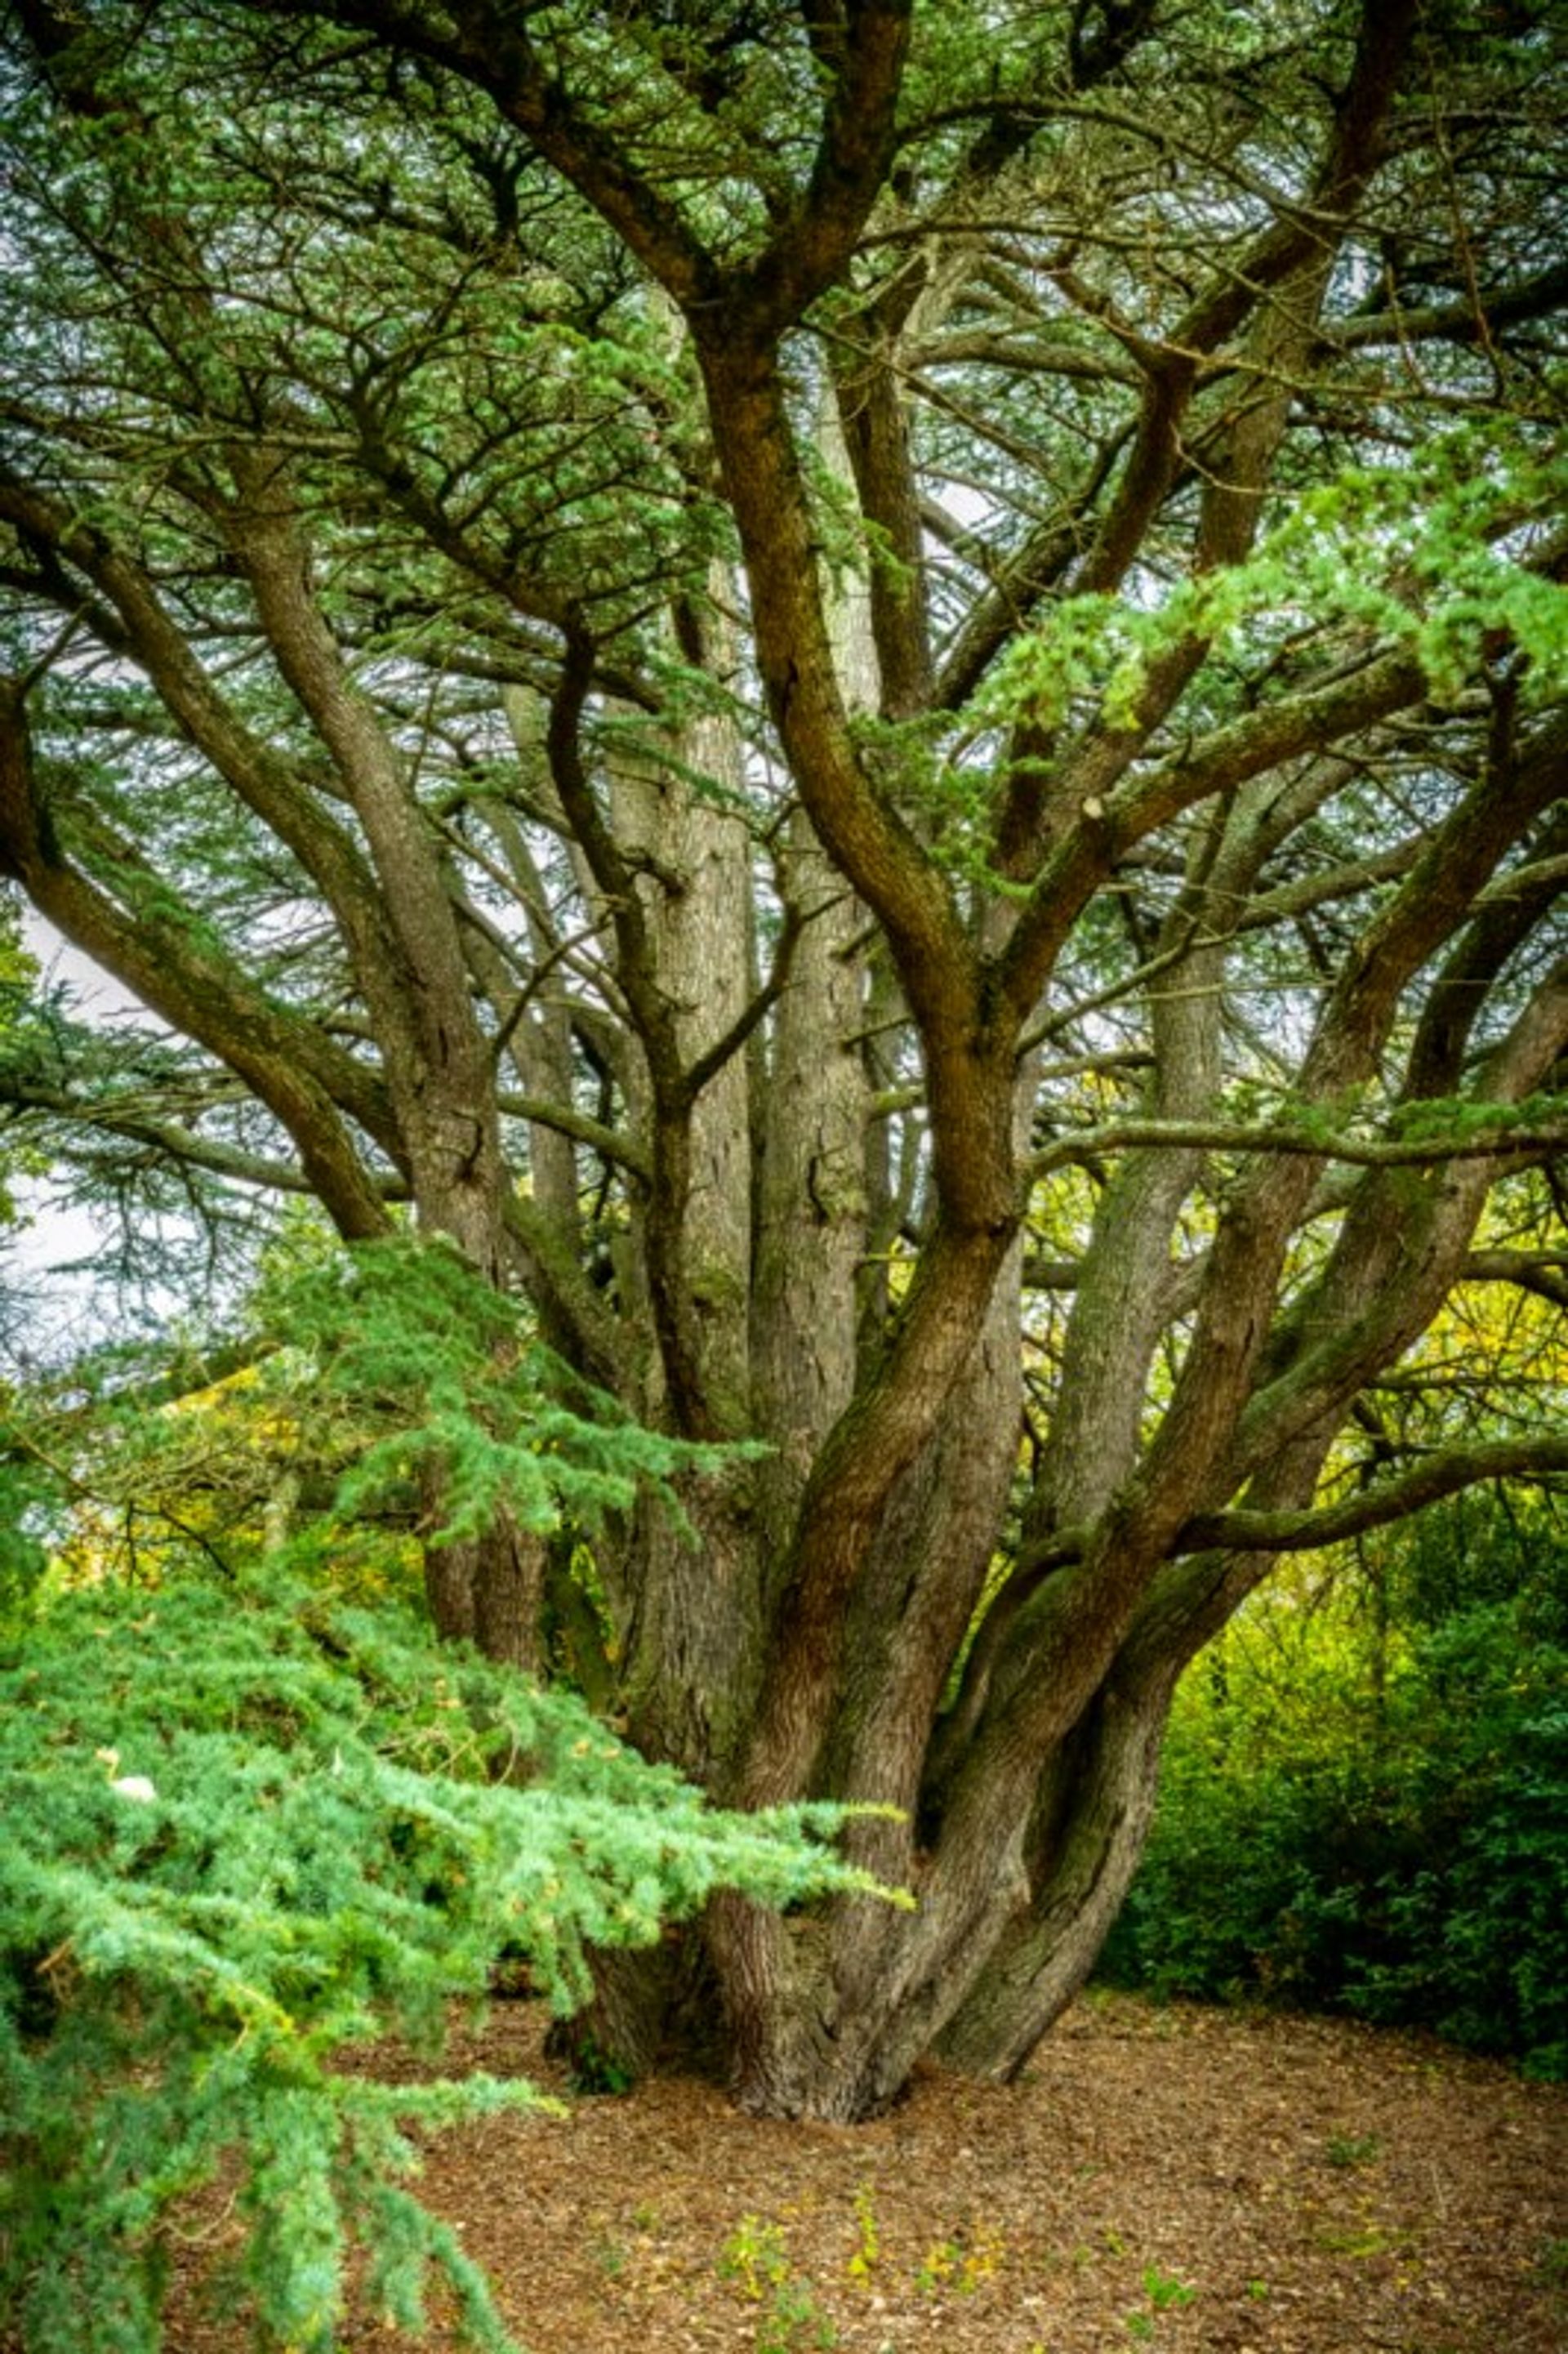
column 692, row 1645
column 1097, row 1802
column 489, row 1591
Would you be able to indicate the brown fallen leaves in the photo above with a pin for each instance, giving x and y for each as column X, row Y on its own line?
column 1187, row 2180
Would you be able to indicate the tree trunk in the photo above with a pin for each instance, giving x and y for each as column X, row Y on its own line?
column 1095, row 1808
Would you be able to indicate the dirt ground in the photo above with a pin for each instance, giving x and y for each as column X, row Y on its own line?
column 1181, row 2178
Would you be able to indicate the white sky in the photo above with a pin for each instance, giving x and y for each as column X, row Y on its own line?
column 65, row 1307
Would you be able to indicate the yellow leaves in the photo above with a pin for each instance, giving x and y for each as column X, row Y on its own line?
column 234, row 1471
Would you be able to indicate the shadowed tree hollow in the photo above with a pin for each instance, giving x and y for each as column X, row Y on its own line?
column 872, row 693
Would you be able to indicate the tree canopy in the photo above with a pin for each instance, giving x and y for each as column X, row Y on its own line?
column 873, row 694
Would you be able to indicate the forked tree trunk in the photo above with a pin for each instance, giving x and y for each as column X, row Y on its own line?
column 1098, row 1805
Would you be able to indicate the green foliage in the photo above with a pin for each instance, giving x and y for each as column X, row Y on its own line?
column 29, row 1488
column 1166, row 2294
column 395, row 1397
column 1411, row 550
column 443, row 1375
column 1352, row 2149
column 1551, row 2271
column 757, row 2259
column 1367, row 1809
column 754, row 2257
column 19, row 975
column 596, row 2070
column 247, row 1831
column 863, row 2263
column 25, row 1491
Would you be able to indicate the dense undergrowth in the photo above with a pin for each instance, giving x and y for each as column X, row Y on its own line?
column 1364, row 1797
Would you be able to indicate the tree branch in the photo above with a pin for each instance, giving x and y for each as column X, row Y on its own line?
column 1465, row 321
column 1439, row 1475
column 1545, row 1273
column 194, row 989
column 1285, row 1137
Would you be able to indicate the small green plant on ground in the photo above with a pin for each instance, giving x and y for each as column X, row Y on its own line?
column 1552, row 2270
column 938, row 2266
column 754, row 2257
column 597, row 2073
column 795, row 2321
column 868, row 2238
column 984, row 2253
column 1165, row 2291
column 1353, row 2149
column 610, row 2254
column 756, row 2260
column 962, row 2262
column 1166, row 2294
column 1357, row 2239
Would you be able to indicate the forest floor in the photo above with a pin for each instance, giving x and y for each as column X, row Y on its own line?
column 1193, row 2180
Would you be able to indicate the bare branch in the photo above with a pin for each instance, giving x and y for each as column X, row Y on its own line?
column 1438, row 1475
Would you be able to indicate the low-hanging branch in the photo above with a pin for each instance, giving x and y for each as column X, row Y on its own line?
column 1437, row 1475
column 1442, row 1473
column 171, row 1139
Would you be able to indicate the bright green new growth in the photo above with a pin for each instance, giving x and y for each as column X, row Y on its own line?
column 245, row 1831
column 405, row 1332
column 378, row 1380
column 1427, row 552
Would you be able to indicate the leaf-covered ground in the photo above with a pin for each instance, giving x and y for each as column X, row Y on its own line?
column 1318, row 2187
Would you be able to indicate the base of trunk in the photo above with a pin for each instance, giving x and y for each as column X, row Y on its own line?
column 656, row 2012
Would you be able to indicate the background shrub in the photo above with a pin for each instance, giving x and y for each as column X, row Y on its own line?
column 1365, row 1802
